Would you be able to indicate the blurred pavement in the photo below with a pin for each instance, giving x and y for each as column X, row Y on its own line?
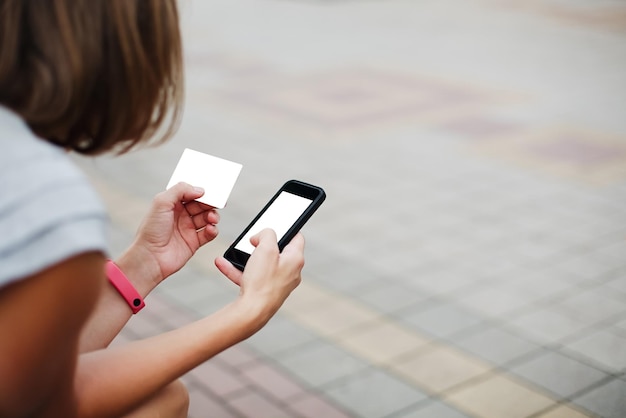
column 470, row 259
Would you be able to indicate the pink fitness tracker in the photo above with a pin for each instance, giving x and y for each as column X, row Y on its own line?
column 121, row 283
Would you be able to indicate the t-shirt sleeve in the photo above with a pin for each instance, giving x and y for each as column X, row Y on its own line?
column 48, row 211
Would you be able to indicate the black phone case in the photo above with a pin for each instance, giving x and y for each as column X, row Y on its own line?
column 316, row 194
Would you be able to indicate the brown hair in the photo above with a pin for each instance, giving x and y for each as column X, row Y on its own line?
column 92, row 75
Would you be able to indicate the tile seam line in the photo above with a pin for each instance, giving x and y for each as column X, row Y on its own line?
column 108, row 192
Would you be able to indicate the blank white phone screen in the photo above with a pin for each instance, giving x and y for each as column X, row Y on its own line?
column 280, row 216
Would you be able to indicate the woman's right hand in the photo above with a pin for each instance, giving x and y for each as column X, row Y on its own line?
column 270, row 275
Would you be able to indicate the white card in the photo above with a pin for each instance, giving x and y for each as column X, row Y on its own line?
column 215, row 175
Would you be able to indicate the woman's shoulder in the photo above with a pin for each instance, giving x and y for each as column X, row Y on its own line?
column 48, row 209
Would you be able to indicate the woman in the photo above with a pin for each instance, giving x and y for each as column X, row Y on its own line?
column 95, row 76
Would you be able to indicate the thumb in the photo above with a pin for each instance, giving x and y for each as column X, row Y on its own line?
column 183, row 192
column 267, row 235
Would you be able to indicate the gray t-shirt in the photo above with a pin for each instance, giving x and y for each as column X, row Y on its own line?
column 48, row 210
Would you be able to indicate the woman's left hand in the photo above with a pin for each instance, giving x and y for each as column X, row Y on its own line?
column 173, row 230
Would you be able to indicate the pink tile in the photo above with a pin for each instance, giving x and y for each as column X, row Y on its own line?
column 579, row 150
column 312, row 406
column 272, row 381
column 481, row 127
column 217, row 379
column 236, row 356
column 201, row 406
column 144, row 325
column 254, row 405
column 348, row 98
column 167, row 312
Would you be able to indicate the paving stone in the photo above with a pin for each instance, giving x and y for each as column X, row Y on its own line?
column 390, row 297
column 335, row 318
column 347, row 277
column 381, row 342
column 603, row 347
column 565, row 411
column 439, row 368
column 618, row 283
column 271, row 380
column 144, row 325
column 434, row 409
column 608, row 400
column 442, row 321
column 373, row 393
column 217, row 379
column 314, row 406
column 493, row 301
column 280, row 335
column 238, row 356
column 546, row 326
column 496, row 345
column 592, row 305
column 559, row 374
column 305, row 363
column 250, row 404
column 202, row 405
column 499, row 396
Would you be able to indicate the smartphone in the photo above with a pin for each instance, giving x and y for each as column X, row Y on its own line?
column 286, row 212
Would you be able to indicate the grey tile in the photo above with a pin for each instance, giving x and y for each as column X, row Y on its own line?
column 618, row 283
column 441, row 320
column 546, row 326
column 373, row 394
column 619, row 328
column 119, row 240
column 496, row 345
column 209, row 304
column 390, row 297
column 145, row 324
column 442, row 281
column 494, row 301
column 559, row 374
column 591, row 305
column 435, row 409
column 584, row 268
column 188, row 286
column 603, row 347
column 537, row 285
column 608, row 400
column 343, row 274
column 279, row 335
column 320, row 363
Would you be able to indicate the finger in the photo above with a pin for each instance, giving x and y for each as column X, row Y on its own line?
column 207, row 234
column 266, row 237
column 293, row 253
column 210, row 217
column 195, row 207
column 181, row 192
column 231, row 272
column 296, row 245
column 266, row 253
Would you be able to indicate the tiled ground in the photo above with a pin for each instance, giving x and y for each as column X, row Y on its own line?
column 470, row 260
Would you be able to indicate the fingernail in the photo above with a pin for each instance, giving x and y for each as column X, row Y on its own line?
column 198, row 189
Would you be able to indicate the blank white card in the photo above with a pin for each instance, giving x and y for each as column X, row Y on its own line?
column 216, row 176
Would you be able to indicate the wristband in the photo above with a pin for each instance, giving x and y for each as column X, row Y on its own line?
column 121, row 283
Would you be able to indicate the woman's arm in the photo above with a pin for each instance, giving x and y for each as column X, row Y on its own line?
column 111, row 382
column 41, row 318
column 170, row 234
